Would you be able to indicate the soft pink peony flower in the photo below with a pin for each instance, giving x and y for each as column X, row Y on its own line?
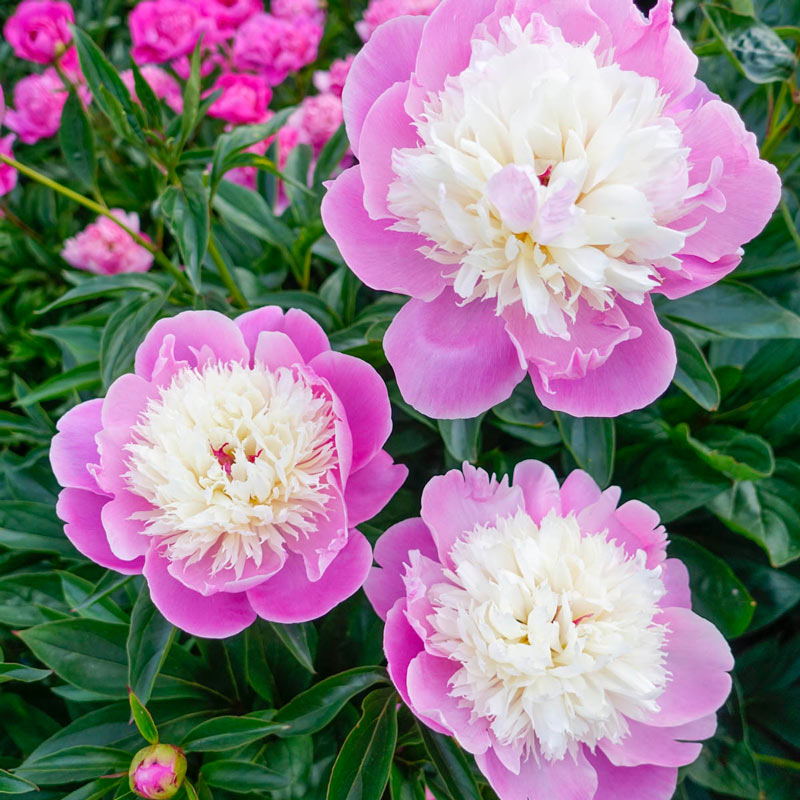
column 8, row 175
column 228, row 14
column 529, row 172
column 231, row 469
column 165, row 29
column 545, row 629
column 38, row 103
column 275, row 47
column 334, row 79
column 380, row 11
column 157, row 772
column 105, row 249
column 317, row 119
column 289, row 9
column 244, row 100
column 161, row 82
column 38, row 30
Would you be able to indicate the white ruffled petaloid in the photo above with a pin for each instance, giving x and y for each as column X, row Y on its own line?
column 232, row 458
column 546, row 174
column 555, row 633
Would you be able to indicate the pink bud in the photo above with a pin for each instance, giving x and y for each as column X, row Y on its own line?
column 157, row 771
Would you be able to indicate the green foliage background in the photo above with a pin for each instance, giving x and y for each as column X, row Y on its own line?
column 306, row 711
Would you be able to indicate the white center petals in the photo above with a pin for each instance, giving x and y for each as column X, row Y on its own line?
column 233, row 459
column 554, row 631
column 545, row 174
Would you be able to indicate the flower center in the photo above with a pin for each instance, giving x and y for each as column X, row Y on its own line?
column 555, row 633
column 233, row 459
column 545, row 174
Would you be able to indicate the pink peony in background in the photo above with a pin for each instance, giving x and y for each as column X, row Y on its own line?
column 231, row 468
column 162, row 30
column 38, row 30
column 8, row 175
column 333, row 80
column 227, row 14
column 245, row 98
column 380, row 11
column 530, row 172
column 160, row 81
column 105, row 249
column 545, row 629
column 317, row 119
column 291, row 9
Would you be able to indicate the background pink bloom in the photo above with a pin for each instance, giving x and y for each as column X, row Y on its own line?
column 37, row 30
column 228, row 14
column 422, row 577
column 8, row 175
column 164, row 29
column 380, row 11
column 244, row 100
column 288, row 9
column 334, row 79
column 317, row 119
column 38, row 103
column 105, row 249
column 161, row 82
column 520, row 276
column 215, row 589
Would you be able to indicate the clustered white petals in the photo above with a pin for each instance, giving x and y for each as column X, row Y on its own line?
column 233, row 459
column 556, row 633
column 546, row 175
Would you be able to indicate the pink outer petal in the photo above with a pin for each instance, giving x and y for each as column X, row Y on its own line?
column 199, row 336
column 401, row 645
column 73, row 448
column 695, row 274
column 539, row 487
column 290, row 597
column 306, row 334
column 454, row 503
column 567, row 779
column 648, row 745
column 578, row 491
column 429, row 693
column 386, row 58
column 126, row 536
column 365, row 399
column 216, row 617
column 698, row 659
column 80, row 510
column 676, row 581
column 126, row 400
column 634, row 374
column 385, row 584
column 371, row 488
column 635, row 783
column 373, row 251
column 451, row 362
column 275, row 350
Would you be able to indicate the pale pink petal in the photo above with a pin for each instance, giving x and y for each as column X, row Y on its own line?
column 513, row 193
column 539, row 487
column 419, row 577
column 275, row 350
column 306, row 334
column 401, row 646
column 676, row 581
column 635, row 783
column 648, row 745
column 695, row 274
column 371, row 488
column 578, row 491
column 126, row 400
column 126, row 536
column 73, row 448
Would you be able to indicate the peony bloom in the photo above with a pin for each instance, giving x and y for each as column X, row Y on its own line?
column 38, row 30
column 334, row 79
column 546, row 630
column 230, row 469
column 228, row 14
column 530, row 171
column 105, row 249
column 380, row 11
column 8, row 175
column 290, row 9
column 161, row 82
column 164, row 29
column 317, row 119
column 274, row 46
column 157, row 772
column 244, row 99
column 38, row 103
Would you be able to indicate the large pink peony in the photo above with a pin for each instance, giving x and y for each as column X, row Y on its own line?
column 531, row 170
column 545, row 629
column 231, row 468
column 380, row 11
column 162, row 30
column 38, row 30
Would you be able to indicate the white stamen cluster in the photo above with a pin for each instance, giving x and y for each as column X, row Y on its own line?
column 555, row 632
column 233, row 459
column 546, row 174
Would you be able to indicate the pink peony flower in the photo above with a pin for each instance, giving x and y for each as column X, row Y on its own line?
column 165, row 29
column 244, row 100
column 38, row 30
column 380, row 11
column 333, row 80
column 8, row 175
column 547, row 631
column 228, row 14
column 161, row 82
column 290, row 9
column 275, row 47
column 105, row 249
column 317, row 119
column 529, row 173
column 230, row 469
column 157, row 772
column 38, row 103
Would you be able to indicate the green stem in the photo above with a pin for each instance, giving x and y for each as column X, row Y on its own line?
column 157, row 254
column 777, row 135
column 224, row 273
column 783, row 763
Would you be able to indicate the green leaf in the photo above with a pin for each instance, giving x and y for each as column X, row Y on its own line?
column 81, row 763
column 250, row 212
column 242, row 777
column 77, row 140
column 591, row 442
column 82, row 342
column 775, row 591
column 77, row 589
column 78, row 379
column 30, row 598
column 361, row 770
column 296, row 639
column 191, row 99
column 313, row 709
column 717, row 594
column 693, row 374
column 11, row 784
column 20, row 672
column 524, row 408
column 143, row 719
column 228, row 733
column 32, row 526
column 461, row 437
column 451, row 764
column 102, row 286
column 147, row 97
column 405, row 787
column 149, row 640
column 305, row 301
column 755, row 48
column 331, row 155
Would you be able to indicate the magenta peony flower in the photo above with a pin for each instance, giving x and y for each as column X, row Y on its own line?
column 8, row 175
column 38, row 30
column 334, row 79
column 230, row 469
column 546, row 630
column 165, row 29
column 317, row 119
column 244, row 100
column 530, row 171
column 274, row 46
column 105, row 249
column 161, row 82
column 380, row 11
column 157, row 772
column 228, row 14
column 290, row 9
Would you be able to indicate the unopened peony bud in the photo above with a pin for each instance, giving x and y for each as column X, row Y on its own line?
column 157, row 771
